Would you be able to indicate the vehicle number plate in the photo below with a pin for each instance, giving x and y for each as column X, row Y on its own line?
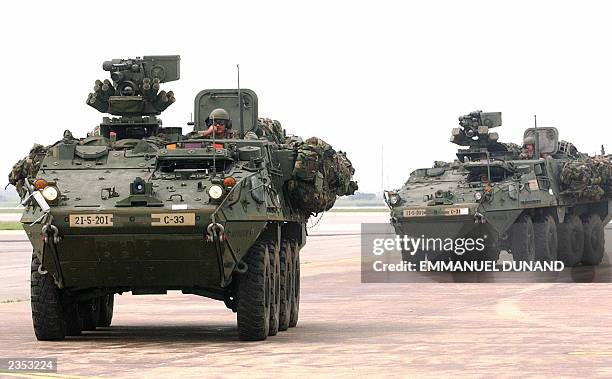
column 173, row 219
column 414, row 212
column 90, row 220
column 456, row 211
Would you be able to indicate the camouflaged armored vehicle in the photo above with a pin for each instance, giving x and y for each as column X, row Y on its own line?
column 136, row 206
column 541, row 202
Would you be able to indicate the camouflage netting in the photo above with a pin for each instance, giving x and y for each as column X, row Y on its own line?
column 271, row 130
column 589, row 178
column 512, row 147
column 27, row 168
column 320, row 175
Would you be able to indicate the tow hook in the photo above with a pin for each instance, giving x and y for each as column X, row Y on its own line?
column 50, row 231
column 241, row 267
column 479, row 218
column 215, row 232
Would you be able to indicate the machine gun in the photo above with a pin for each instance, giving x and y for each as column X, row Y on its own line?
column 134, row 90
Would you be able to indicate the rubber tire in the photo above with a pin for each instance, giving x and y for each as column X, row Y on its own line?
column 522, row 244
column 107, row 305
column 594, row 243
column 89, row 311
column 295, row 299
column 253, row 295
column 273, row 252
column 74, row 321
column 571, row 241
column 546, row 243
column 415, row 258
column 47, row 310
column 286, row 281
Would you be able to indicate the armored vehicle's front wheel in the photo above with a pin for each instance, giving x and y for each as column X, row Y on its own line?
column 522, row 239
column 571, row 241
column 295, row 300
column 253, row 295
column 273, row 252
column 107, row 304
column 47, row 305
column 73, row 320
column 286, row 282
column 546, row 239
column 89, row 311
column 593, row 240
column 414, row 258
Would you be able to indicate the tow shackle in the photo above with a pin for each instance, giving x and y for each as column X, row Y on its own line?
column 50, row 231
column 215, row 231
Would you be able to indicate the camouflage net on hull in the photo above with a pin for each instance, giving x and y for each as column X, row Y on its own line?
column 319, row 176
column 27, row 168
column 590, row 178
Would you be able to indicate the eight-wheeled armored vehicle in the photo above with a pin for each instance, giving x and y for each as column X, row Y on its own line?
column 542, row 202
column 136, row 206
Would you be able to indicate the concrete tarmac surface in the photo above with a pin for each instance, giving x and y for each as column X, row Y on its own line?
column 346, row 328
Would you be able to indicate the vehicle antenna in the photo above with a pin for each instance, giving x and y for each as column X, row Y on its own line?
column 536, row 146
column 214, row 145
column 382, row 169
column 240, row 103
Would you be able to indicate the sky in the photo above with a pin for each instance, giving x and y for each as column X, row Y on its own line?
column 384, row 81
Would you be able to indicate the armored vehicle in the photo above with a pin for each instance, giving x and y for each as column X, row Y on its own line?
column 543, row 201
column 136, row 206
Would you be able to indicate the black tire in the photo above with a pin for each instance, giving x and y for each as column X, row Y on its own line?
column 415, row 258
column 253, row 295
column 273, row 252
column 89, row 311
column 295, row 299
column 522, row 243
column 107, row 305
column 546, row 244
column 47, row 307
column 286, row 281
column 571, row 241
column 593, row 240
column 73, row 320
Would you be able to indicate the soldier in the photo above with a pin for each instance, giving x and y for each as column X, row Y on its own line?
column 219, row 122
column 528, row 150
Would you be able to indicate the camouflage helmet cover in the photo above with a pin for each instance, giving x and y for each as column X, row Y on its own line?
column 529, row 140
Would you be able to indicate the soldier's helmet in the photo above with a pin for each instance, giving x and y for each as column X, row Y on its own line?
column 529, row 141
column 219, row 114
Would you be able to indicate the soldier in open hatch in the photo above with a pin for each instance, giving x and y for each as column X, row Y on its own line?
column 220, row 123
column 528, row 148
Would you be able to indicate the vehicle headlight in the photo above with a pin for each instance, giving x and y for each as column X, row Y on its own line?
column 215, row 192
column 478, row 196
column 394, row 199
column 50, row 193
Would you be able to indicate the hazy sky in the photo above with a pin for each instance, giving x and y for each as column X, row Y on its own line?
column 358, row 74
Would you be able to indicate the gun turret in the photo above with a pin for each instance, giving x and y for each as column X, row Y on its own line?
column 474, row 129
column 134, row 90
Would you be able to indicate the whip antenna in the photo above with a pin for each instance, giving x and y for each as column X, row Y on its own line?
column 240, row 103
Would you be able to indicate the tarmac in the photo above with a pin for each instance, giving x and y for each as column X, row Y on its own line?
column 346, row 328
